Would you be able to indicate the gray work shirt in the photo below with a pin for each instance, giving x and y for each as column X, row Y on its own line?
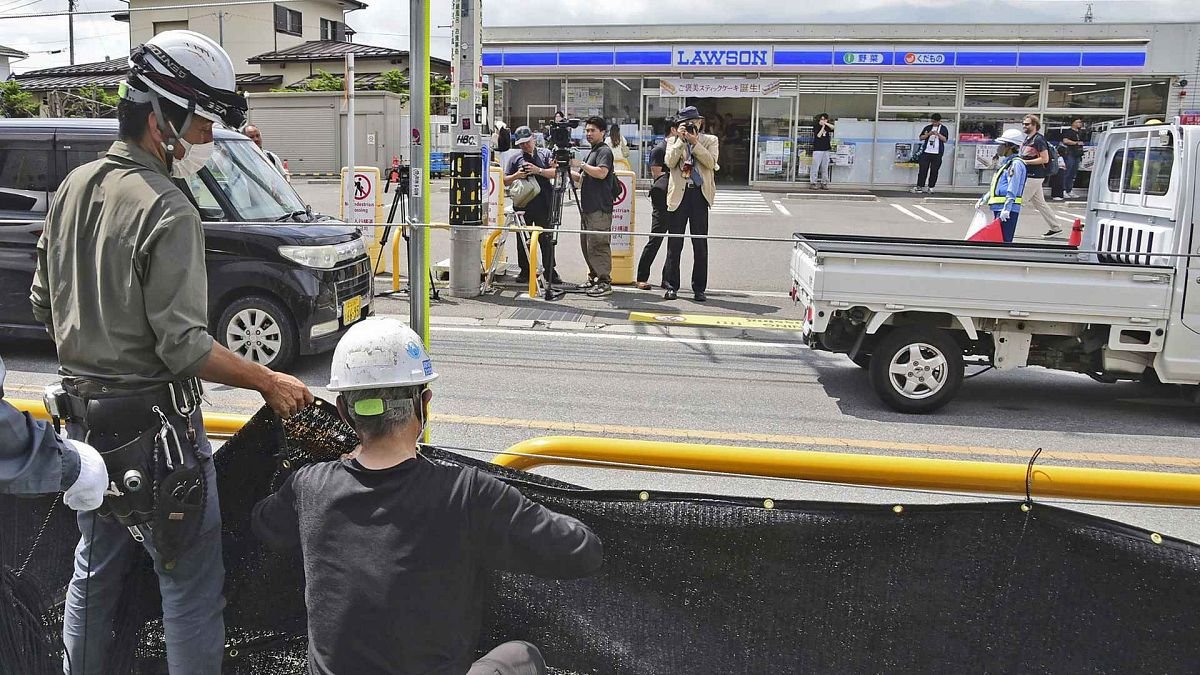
column 33, row 460
column 120, row 282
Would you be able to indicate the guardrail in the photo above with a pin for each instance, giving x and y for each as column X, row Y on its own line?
column 1044, row 481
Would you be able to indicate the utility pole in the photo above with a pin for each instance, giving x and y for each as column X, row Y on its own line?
column 418, row 153
column 466, row 161
column 71, row 27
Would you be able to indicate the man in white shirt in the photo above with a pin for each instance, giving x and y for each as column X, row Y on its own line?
column 933, row 138
column 252, row 132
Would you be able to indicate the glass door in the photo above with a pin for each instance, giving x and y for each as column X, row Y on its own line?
column 773, row 151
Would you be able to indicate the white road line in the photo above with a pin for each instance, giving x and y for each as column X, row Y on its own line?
column 1066, row 218
column 782, row 209
column 933, row 213
column 616, row 336
column 1076, row 215
column 908, row 213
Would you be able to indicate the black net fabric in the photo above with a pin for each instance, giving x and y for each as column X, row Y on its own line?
column 694, row 583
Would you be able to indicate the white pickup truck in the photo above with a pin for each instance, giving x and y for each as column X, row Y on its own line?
column 1125, row 305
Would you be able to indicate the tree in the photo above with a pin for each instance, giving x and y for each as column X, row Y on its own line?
column 16, row 102
column 322, row 81
column 89, row 101
column 395, row 81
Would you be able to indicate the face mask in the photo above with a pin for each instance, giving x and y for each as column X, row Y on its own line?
column 195, row 156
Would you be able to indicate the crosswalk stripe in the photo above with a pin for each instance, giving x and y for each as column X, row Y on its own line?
column 908, row 213
column 933, row 213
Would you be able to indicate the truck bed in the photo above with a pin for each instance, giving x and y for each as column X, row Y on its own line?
column 1035, row 281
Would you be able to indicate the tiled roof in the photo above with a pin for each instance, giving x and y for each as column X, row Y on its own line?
column 251, row 79
column 331, row 50
column 362, row 81
column 12, row 53
column 110, row 67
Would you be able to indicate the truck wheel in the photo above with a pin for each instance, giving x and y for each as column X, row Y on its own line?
column 261, row 330
column 862, row 360
column 916, row 369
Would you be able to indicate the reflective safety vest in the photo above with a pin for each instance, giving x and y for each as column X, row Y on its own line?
column 1006, row 170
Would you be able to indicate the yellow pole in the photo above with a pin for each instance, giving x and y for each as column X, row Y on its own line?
column 1144, row 487
column 533, row 261
column 489, row 254
column 396, row 259
column 1140, row 487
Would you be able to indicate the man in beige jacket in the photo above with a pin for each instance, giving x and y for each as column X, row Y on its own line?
column 692, row 161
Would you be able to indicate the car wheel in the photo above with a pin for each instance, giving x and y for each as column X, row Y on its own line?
column 261, row 330
column 916, row 369
column 862, row 360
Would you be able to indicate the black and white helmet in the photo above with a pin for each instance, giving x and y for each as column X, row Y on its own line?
column 191, row 71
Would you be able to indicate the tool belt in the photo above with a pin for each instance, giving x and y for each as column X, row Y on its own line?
column 150, row 448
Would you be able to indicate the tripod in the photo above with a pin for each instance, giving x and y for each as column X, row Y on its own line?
column 562, row 182
column 400, row 204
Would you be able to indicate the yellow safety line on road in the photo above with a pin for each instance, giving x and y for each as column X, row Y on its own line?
column 699, row 435
column 717, row 321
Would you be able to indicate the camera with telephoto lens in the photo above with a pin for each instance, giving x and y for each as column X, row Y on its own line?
column 560, row 138
column 690, row 128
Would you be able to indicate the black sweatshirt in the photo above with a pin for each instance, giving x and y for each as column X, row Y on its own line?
column 395, row 560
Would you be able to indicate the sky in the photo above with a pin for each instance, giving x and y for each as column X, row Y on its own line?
column 385, row 22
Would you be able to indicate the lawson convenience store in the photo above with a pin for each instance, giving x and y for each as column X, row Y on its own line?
column 760, row 87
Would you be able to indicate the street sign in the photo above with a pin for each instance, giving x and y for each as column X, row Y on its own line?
column 471, row 140
column 622, row 222
column 370, row 139
column 417, row 184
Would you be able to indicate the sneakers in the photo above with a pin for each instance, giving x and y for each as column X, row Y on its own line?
column 1056, row 199
column 599, row 289
column 701, row 297
column 671, row 294
column 588, row 285
column 824, row 186
column 1052, row 233
column 1070, row 195
column 917, row 190
column 928, row 190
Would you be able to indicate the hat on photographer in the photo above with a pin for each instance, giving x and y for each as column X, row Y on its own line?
column 688, row 113
column 522, row 135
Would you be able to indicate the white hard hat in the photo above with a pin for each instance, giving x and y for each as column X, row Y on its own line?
column 191, row 71
column 1012, row 137
column 378, row 353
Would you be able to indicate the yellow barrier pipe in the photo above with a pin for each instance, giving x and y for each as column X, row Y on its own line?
column 533, row 261
column 1145, row 487
column 489, row 254
column 396, row 260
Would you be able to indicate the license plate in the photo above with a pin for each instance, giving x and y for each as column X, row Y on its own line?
column 351, row 311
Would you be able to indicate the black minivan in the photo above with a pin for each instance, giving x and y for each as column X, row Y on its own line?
column 284, row 283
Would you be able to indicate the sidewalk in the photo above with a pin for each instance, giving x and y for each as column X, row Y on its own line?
column 767, row 315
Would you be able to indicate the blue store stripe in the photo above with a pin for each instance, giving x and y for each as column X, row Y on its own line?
column 531, row 59
column 1051, row 59
column 644, row 58
column 1114, row 59
column 793, row 58
column 987, row 59
column 585, row 58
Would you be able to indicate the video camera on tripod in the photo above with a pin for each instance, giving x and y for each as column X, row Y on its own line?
column 560, row 138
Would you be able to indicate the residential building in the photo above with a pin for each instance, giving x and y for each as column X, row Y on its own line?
column 7, row 54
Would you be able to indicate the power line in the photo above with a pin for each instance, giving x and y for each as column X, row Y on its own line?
column 236, row 3
column 33, row 2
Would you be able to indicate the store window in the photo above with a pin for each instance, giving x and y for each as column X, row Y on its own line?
column 529, row 102
column 931, row 94
column 1002, row 93
column 1087, row 94
column 897, row 142
column 1054, row 125
column 1148, row 99
column 975, row 150
column 851, row 104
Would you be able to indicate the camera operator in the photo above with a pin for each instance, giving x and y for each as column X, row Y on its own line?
column 658, row 202
column 539, row 163
column 692, row 161
column 596, row 206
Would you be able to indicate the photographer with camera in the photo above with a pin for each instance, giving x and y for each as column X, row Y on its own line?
column 537, row 164
column 595, row 176
column 692, row 161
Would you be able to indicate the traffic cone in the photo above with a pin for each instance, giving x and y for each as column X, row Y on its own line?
column 1076, row 234
column 982, row 230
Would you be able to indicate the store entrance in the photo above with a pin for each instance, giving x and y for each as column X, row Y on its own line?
column 729, row 120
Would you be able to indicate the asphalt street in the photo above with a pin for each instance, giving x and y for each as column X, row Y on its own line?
column 751, row 266
column 585, row 369
column 499, row 386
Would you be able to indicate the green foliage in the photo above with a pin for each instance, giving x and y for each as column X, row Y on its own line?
column 90, row 101
column 324, row 81
column 394, row 80
column 16, row 102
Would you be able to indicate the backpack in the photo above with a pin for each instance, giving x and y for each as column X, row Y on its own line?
column 1052, row 166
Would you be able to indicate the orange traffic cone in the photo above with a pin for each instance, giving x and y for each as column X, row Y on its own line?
column 1076, row 234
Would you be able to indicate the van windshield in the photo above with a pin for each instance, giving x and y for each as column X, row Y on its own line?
column 251, row 183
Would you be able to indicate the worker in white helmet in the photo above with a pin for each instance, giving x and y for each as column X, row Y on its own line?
column 122, row 288
column 397, row 547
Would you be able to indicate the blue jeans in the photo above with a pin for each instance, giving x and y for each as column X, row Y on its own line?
column 1007, row 228
column 1068, row 178
column 192, row 599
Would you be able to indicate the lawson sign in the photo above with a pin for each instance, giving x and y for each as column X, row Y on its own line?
column 701, row 57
